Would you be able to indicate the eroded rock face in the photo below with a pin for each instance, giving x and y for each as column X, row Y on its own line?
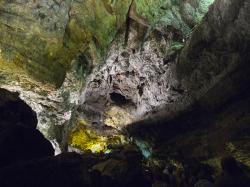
column 40, row 38
column 132, row 82
column 137, row 78
column 200, row 97
column 140, row 76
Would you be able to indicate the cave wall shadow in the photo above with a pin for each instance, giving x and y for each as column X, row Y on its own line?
column 204, row 129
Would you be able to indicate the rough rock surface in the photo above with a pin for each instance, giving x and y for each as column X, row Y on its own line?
column 42, row 37
column 48, row 47
column 218, row 46
column 53, row 108
column 134, row 80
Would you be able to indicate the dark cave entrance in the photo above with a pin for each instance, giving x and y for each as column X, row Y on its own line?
column 118, row 99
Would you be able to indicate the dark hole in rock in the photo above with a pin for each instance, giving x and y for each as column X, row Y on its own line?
column 95, row 124
column 177, row 35
column 42, row 16
column 142, row 79
column 127, row 73
column 118, row 98
column 140, row 89
column 110, row 79
column 158, row 35
column 125, row 54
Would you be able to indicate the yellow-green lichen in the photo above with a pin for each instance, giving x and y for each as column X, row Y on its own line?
column 87, row 139
column 240, row 155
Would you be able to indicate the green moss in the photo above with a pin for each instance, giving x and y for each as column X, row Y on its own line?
column 102, row 20
column 46, row 54
column 151, row 9
column 176, row 46
column 32, row 53
column 172, row 12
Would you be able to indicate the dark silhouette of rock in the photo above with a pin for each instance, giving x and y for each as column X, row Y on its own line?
column 66, row 170
column 203, row 183
column 72, row 169
column 232, row 175
column 17, row 112
column 20, row 144
column 123, row 169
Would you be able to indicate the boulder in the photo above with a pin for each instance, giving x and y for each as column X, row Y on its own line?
column 20, row 144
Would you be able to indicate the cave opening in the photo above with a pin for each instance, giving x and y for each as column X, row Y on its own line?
column 118, row 99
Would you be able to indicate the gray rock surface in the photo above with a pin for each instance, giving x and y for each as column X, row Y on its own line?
column 134, row 80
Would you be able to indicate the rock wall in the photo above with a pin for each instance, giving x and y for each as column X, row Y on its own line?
column 210, row 119
column 40, row 38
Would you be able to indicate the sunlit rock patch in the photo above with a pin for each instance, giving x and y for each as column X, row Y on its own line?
column 117, row 117
column 84, row 138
